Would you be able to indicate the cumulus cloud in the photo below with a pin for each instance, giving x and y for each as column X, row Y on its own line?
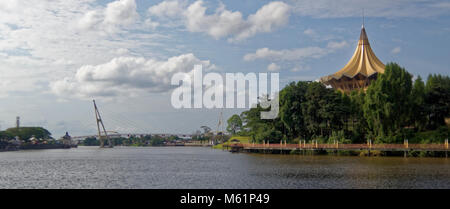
column 167, row 9
column 46, row 40
column 126, row 76
column 294, row 54
column 121, row 12
column 225, row 23
column 273, row 67
column 116, row 14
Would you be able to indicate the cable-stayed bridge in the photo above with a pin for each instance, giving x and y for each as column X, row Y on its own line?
column 123, row 127
column 126, row 135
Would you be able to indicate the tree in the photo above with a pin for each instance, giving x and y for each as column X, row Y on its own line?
column 437, row 100
column 26, row 133
column 387, row 106
column 391, row 109
column 418, row 112
column 260, row 129
column 356, row 119
column 291, row 115
column 157, row 141
column 311, row 108
column 268, row 133
column 91, row 141
column 234, row 124
column 323, row 110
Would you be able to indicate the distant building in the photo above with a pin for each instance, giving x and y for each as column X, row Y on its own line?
column 66, row 139
column 16, row 141
column 362, row 69
column 33, row 140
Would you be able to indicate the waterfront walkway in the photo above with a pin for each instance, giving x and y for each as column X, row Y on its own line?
column 315, row 146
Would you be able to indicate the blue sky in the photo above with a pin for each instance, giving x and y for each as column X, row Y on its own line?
column 56, row 56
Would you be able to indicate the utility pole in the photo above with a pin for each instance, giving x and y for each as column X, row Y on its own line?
column 99, row 121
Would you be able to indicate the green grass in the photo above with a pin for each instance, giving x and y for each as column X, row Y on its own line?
column 241, row 139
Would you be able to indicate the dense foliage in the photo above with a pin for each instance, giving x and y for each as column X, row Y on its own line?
column 393, row 108
column 234, row 124
column 25, row 133
column 146, row 140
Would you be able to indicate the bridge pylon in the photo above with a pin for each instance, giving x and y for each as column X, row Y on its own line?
column 99, row 121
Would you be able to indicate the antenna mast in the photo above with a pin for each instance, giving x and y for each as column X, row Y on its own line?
column 363, row 18
column 99, row 121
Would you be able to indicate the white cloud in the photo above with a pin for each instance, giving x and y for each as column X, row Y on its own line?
column 225, row 23
column 151, row 24
column 126, row 76
column 273, row 67
column 379, row 8
column 110, row 19
column 121, row 12
column 287, row 54
column 89, row 20
column 396, row 50
column 337, row 45
column 299, row 68
column 218, row 25
column 122, row 51
column 294, row 54
column 270, row 16
column 310, row 32
column 41, row 42
column 167, row 9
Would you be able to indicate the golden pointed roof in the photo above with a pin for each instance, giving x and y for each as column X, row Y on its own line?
column 363, row 62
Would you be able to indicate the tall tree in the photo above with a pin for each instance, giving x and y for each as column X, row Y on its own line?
column 387, row 106
column 437, row 99
column 234, row 124
column 418, row 113
column 357, row 120
column 291, row 99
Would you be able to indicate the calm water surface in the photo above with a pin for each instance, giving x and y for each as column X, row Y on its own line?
column 195, row 167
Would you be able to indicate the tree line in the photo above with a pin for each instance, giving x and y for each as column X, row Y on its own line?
column 392, row 109
column 25, row 133
column 146, row 140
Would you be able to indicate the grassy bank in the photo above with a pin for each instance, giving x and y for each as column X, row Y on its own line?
column 234, row 139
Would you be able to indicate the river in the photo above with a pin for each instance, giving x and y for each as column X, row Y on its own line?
column 198, row 167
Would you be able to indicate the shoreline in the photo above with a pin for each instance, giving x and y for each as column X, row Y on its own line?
column 37, row 147
column 304, row 152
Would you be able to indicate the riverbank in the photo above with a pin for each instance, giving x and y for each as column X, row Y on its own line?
column 361, row 153
column 36, row 147
column 315, row 148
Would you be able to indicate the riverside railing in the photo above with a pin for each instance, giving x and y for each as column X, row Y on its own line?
column 337, row 146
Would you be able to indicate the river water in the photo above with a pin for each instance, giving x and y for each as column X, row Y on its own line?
column 198, row 167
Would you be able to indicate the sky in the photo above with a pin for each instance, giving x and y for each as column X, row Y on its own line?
column 56, row 56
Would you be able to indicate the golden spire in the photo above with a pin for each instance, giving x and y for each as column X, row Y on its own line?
column 361, row 66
